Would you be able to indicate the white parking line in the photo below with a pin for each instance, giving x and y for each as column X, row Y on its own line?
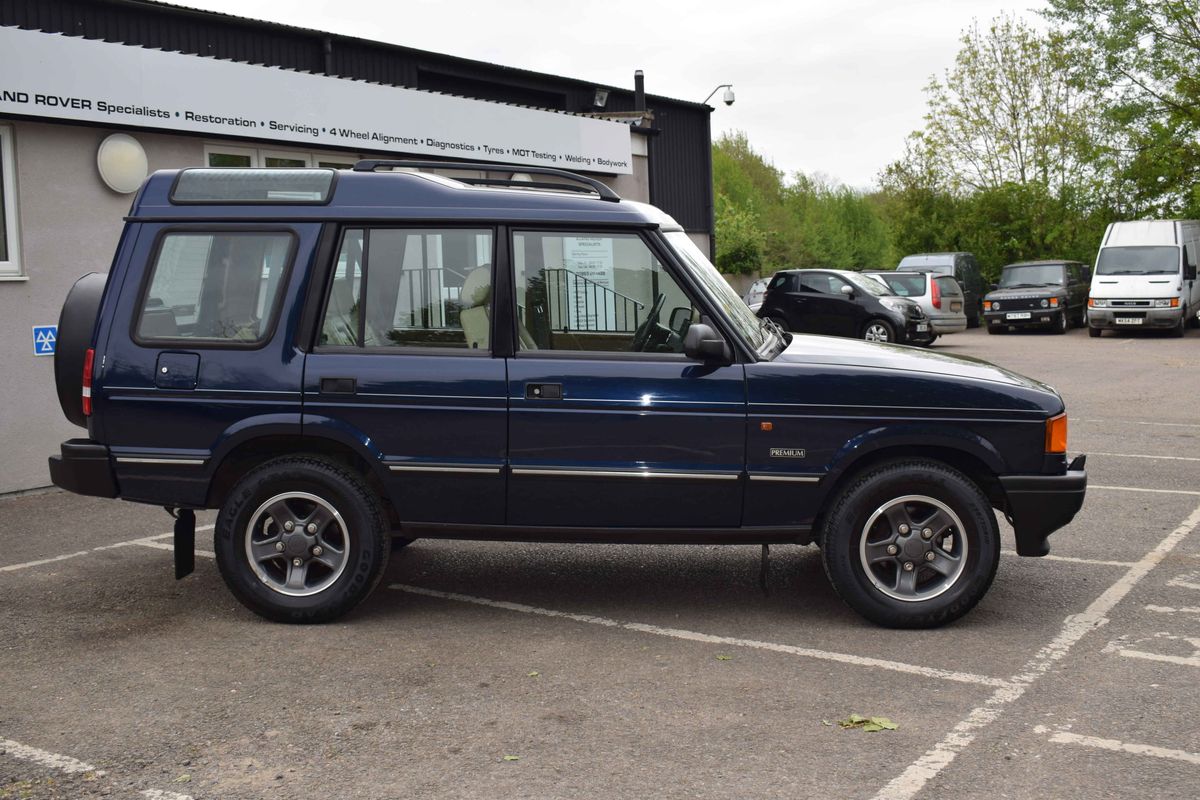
column 1140, row 489
column 145, row 541
column 1170, row 610
column 1139, row 422
column 675, row 633
column 1066, row 737
column 1188, row 580
column 45, row 758
column 1072, row 559
column 38, row 563
column 159, row 794
column 910, row 782
column 1139, row 455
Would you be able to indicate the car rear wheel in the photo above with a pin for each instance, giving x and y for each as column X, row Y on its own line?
column 911, row 544
column 879, row 330
column 301, row 539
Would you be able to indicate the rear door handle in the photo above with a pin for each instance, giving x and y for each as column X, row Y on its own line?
column 543, row 391
column 339, row 386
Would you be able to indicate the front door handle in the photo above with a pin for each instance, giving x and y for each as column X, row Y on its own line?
column 543, row 391
column 339, row 386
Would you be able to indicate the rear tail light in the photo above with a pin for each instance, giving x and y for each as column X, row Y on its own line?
column 1056, row 434
column 937, row 294
column 89, row 359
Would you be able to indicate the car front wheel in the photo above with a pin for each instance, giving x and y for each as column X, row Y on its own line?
column 878, row 330
column 911, row 544
column 301, row 539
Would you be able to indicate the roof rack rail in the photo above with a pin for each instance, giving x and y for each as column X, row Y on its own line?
column 370, row 165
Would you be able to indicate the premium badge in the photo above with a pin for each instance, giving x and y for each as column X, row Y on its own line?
column 787, row 452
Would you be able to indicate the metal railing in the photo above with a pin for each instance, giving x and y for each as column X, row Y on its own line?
column 577, row 303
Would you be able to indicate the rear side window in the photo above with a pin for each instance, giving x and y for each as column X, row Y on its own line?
column 423, row 288
column 215, row 287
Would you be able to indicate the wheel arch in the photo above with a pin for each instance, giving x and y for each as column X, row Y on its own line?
column 252, row 447
column 969, row 454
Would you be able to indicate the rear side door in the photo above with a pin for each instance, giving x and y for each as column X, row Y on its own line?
column 403, row 369
column 202, row 346
column 610, row 424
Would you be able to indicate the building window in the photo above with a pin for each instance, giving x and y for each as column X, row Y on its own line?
column 10, row 262
column 219, row 155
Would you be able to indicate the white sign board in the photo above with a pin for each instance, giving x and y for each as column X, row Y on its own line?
column 63, row 77
column 591, row 300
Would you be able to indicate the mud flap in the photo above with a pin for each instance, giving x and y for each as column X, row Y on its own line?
column 185, row 542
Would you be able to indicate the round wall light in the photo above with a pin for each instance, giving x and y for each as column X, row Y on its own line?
column 122, row 163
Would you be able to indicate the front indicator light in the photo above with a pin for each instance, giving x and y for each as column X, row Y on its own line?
column 987, row 305
column 1167, row 303
column 1054, row 302
column 1056, row 434
column 1097, row 303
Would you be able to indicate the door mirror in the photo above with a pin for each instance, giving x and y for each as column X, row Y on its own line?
column 847, row 290
column 702, row 343
column 681, row 317
column 995, row 286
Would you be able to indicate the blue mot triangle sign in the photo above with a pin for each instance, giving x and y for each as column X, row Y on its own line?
column 44, row 339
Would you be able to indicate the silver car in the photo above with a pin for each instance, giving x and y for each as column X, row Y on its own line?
column 756, row 293
column 940, row 297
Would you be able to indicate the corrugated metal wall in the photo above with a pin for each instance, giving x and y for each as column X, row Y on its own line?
column 680, row 168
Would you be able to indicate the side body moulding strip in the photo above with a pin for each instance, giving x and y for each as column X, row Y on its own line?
column 442, row 468
column 628, row 473
column 192, row 462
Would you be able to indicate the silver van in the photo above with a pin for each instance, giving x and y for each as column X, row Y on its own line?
column 940, row 297
column 965, row 270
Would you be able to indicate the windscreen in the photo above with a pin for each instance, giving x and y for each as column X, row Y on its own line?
column 1157, row 260
column 738, row 312
column 1031, row 275
column 867, row 284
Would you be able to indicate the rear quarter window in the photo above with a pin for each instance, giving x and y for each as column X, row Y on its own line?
column 948, row 285
column 215, row 287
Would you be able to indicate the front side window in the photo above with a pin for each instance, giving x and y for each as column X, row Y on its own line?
column 423, row 288
column 216, row 287
column 9, row 263
column 596, row 293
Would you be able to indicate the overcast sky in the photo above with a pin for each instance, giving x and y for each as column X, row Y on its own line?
column 822, row 87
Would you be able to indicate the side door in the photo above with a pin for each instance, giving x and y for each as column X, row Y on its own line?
column 610, row 425
column 829, row 311
column 403, row 369
column 201, row 345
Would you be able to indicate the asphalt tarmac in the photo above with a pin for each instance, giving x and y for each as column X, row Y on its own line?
column 494, row 670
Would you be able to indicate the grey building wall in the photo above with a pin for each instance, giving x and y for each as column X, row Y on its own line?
column 68, row 225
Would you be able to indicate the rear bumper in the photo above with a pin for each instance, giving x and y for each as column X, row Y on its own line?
column 948, row 323
column 84, row 467
column 1038, row 505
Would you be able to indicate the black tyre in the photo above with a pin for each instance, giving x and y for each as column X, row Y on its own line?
column 878, row 330
column 911, row 544
column 1062, row 323
column 76, row 322
column 301, row 539
column 1094, row 332
column 1178, row 331
column 973, row 322
column 996, row 329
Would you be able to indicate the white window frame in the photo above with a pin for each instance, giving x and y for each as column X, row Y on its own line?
column 258, row 156
column 10, row 269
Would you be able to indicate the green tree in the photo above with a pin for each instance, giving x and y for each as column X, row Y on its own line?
column 1143, row 58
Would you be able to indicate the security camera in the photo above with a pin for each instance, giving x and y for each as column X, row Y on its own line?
column 728, row 96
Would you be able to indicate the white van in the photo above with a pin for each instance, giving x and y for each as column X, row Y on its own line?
column 1145, row 277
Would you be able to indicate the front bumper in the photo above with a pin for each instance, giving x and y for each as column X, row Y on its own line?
column 912, row 332
column 1038, row 318
column 84, row 467
column 1038, row 505
column 1158, row 318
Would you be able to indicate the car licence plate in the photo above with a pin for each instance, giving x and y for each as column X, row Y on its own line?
column 1129, row 320
column 956, row 306
column 1017, row 315
column 922, row 327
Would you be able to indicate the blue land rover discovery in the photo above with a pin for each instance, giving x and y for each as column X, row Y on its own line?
column 333, row 359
